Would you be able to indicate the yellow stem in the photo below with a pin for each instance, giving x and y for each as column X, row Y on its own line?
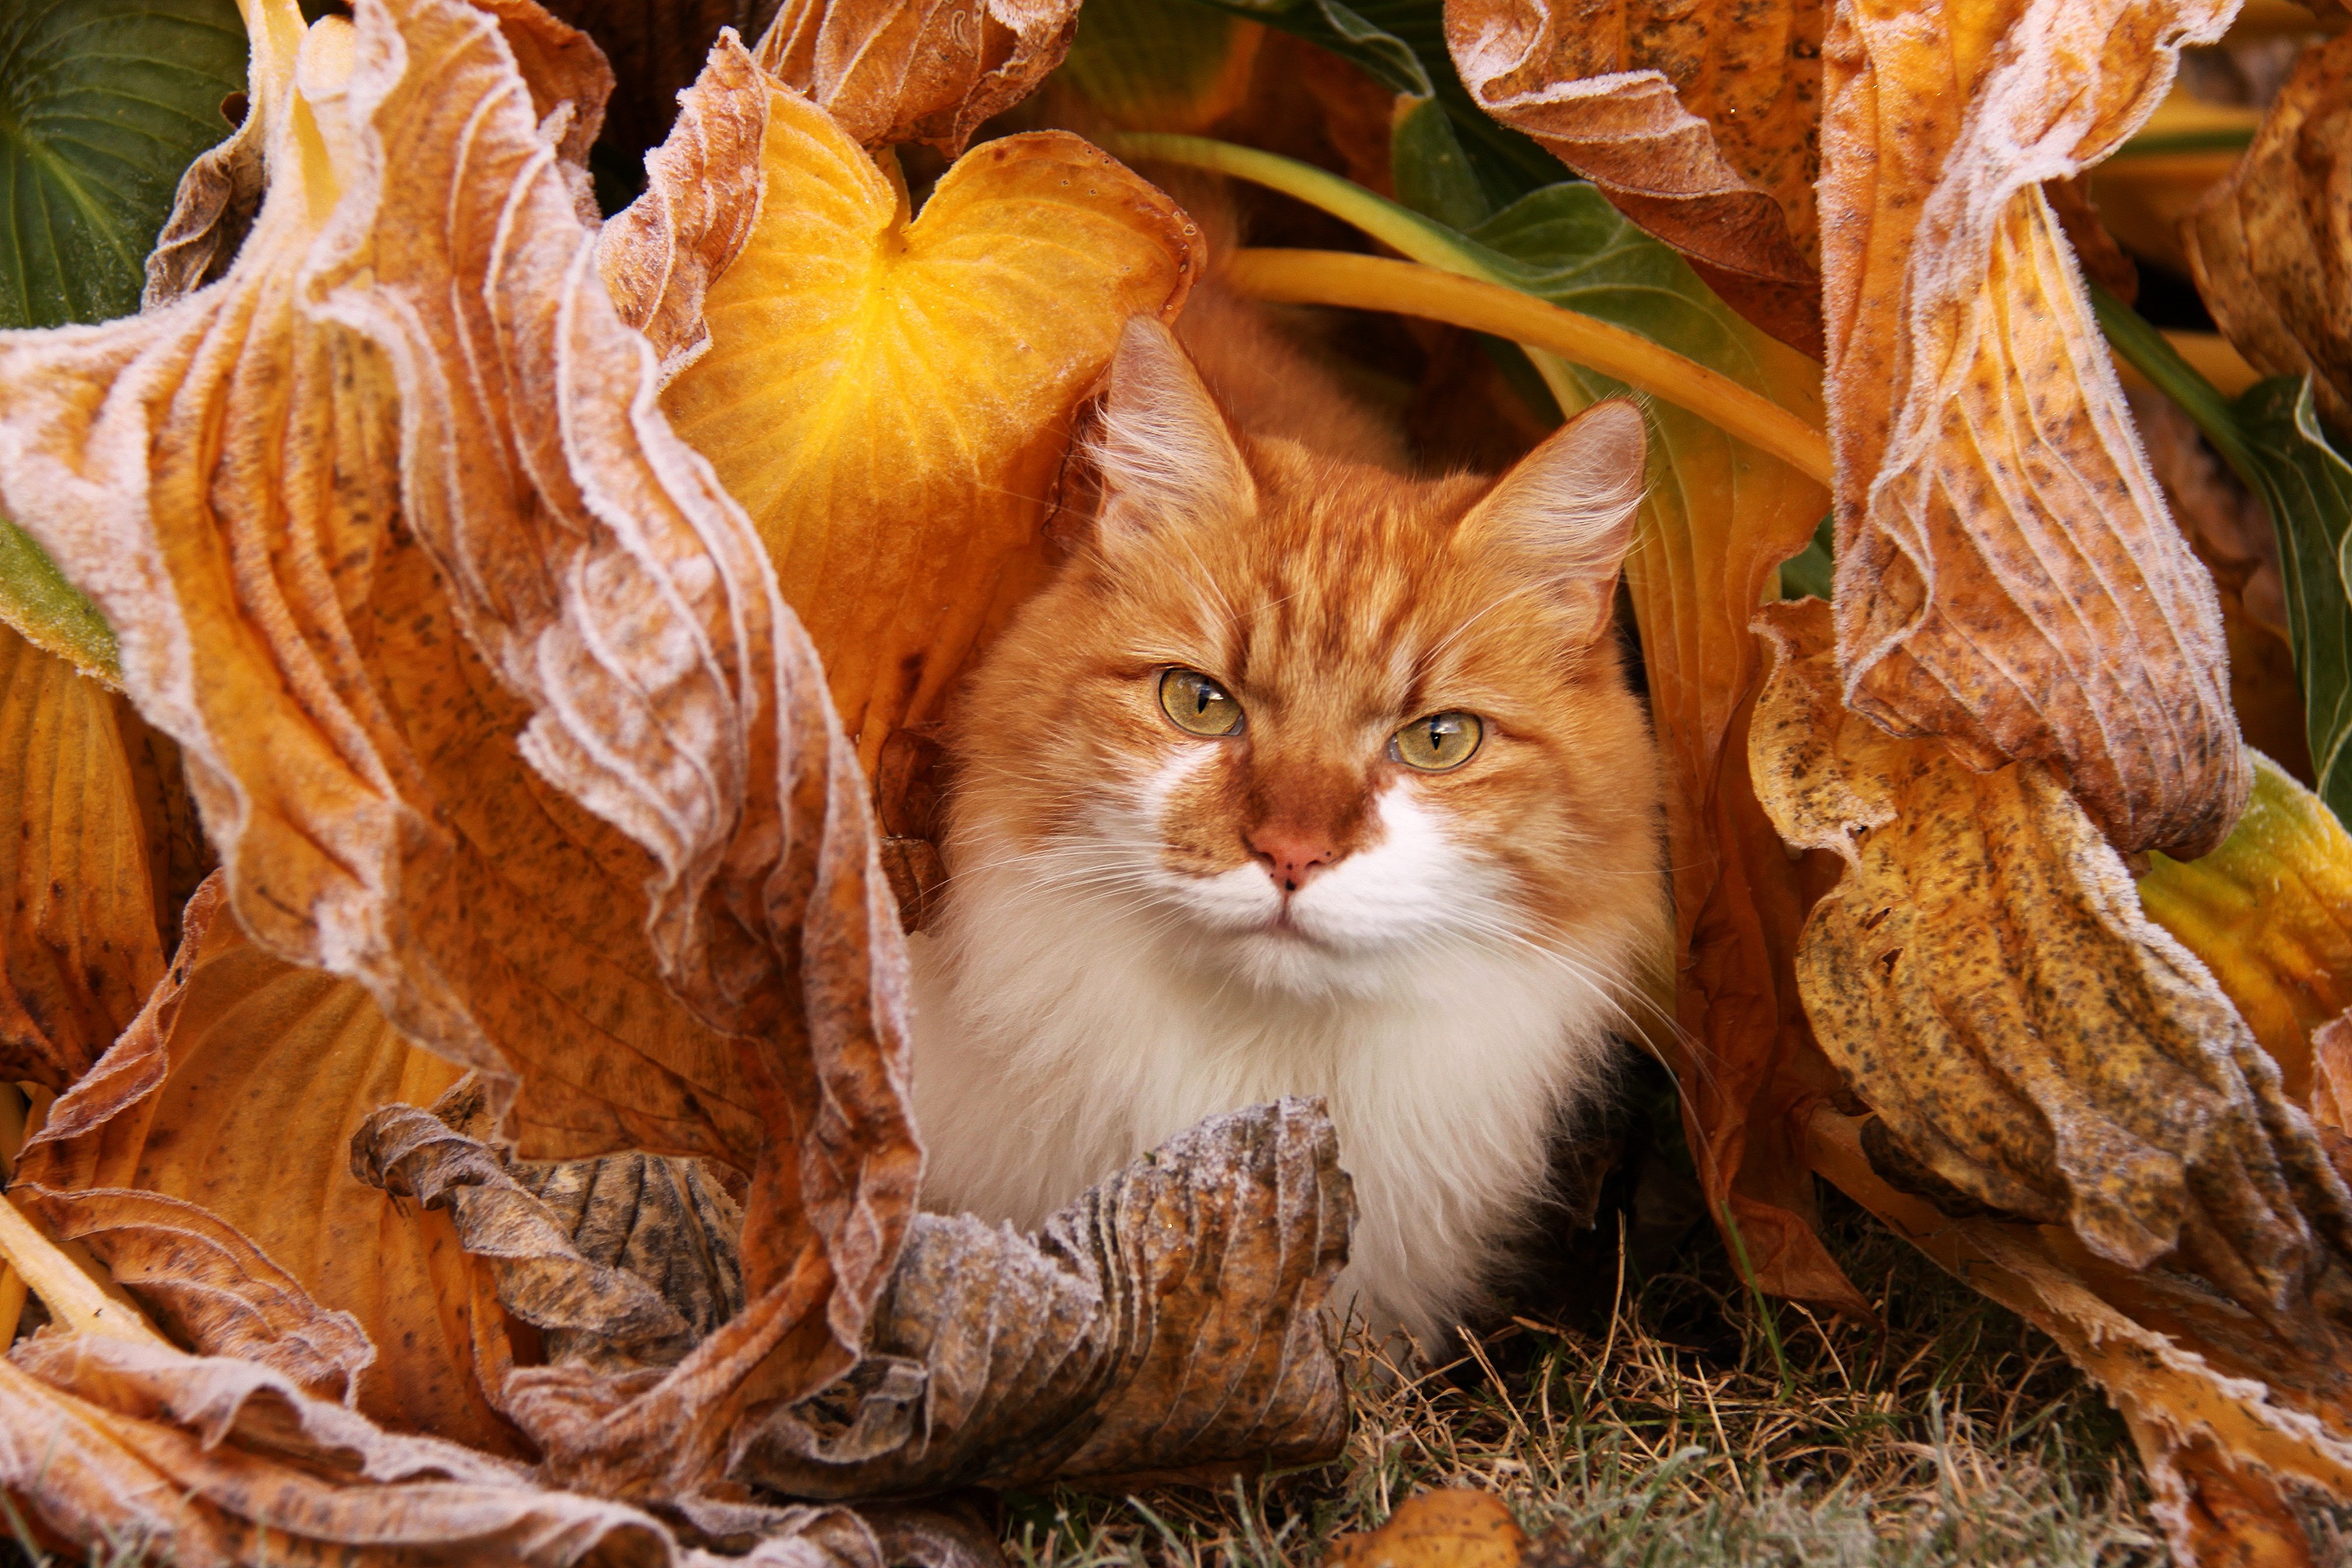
column 1377, row 283
column 71, row 1287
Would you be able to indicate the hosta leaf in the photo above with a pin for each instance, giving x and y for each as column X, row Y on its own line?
column 890, row 400
column 1697, row 122
column 206, row 1160
column 1985, row 980
column 2272, row 437
column 2270, row 913
column 2272, row 245
column 46, row 609
column 1161, row 65
column 2007, row 578
column 488, row 696
column 80, row 947
column 103, row 104
column 917, row 70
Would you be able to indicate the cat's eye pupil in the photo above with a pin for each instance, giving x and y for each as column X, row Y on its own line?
column 1198, row 705
column 1438, row 743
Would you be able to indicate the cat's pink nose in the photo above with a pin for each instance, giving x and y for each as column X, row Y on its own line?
column 1291, row 855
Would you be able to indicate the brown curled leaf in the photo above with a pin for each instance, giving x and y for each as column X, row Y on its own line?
column 484, row 682
column 917, row 70
column 586, row 1305
column 2272, row 245
column 2007, row 579
column 205, row 1462
column 1170, row 1319
column 891, row 400
column 659, row 254
column 1984, row 979
column 80, row 947
column 1697, row 122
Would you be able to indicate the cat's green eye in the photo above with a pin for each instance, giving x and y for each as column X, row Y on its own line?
column 1199, row 705
column 1438, row 742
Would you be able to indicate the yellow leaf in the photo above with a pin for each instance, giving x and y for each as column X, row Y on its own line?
column 2007, row 578
column 2270, row 913
column 891, row 401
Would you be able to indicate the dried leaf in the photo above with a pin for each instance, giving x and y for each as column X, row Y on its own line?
column 1697, row 121
column 2007, row 579
column 204, row 1461
column 78, row 944
column 1983, row 978
column 891, row 401
column 488, row 696
column 917, row 70
column 2225, row 1405
column 2268, row 245
column 2270, row 915
column 204, row 1160
column 587, row 1307
column 1449, row 1529
column 2231, row 530
column 1166, row 1321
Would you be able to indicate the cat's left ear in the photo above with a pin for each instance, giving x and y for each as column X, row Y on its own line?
column 1564, row 515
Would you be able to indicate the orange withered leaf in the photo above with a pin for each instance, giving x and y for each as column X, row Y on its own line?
column 1448, row 1528
column 486, row 691
column 891, row 401
column 2007, row 578
column 917, row 70
column 206, row 1160
column 2272, row 245
column 80, row 947
column 1697, row 122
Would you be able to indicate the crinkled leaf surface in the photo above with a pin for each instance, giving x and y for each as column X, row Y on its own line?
column 1696, row 121
column 917, row 70
column 1168, row 1321
column 1984, row 978
column 102, row 104
column 2272, row 245
column 891, row 400
column 2007, row 578
column 487, row 693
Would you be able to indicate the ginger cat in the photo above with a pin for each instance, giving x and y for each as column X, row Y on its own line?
column 1306, row 777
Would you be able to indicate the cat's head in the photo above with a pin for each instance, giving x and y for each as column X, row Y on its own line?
column 1311, row 718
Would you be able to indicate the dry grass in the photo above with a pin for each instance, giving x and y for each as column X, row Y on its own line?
column 1686, row 1423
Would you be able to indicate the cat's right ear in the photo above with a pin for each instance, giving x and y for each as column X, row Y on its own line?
column 1161, row 443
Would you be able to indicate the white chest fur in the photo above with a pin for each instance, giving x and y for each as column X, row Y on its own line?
column 1062, row 1028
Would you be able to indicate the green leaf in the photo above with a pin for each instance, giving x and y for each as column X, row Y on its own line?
column 1433, row 175
column 35, row 599
column 103, row 104
column 1808, row 573
column 2307, row 485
